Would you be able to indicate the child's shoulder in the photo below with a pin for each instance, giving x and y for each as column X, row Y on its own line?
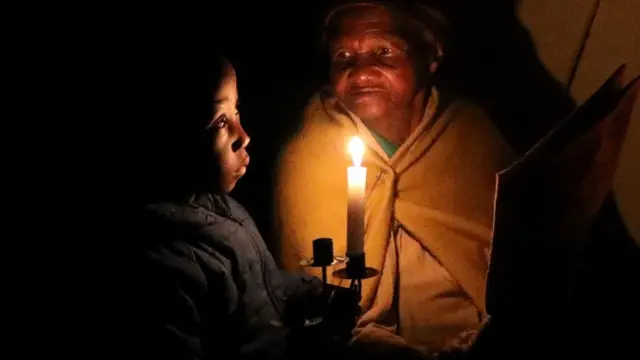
column 235, row 206
column 183, row 236
column 212, row 223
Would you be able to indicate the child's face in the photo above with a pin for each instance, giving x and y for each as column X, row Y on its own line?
column 229, row 139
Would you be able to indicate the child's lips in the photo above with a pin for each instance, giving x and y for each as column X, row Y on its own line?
column 245, row 161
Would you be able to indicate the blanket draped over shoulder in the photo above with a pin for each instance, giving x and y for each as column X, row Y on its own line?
column 438, row 187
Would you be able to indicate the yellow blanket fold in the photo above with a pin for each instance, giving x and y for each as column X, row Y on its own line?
column 439, row 186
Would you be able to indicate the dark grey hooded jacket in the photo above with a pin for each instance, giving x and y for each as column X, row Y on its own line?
column 210, row 288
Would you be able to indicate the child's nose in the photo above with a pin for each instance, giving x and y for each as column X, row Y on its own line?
column 242, row 139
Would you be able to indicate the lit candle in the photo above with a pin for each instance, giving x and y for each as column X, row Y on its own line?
column 357, row 178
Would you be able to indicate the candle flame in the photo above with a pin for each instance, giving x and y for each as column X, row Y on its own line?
column 356, row 149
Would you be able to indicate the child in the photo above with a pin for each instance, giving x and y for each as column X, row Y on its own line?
column 210, row 287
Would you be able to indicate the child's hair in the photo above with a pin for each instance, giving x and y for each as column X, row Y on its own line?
column 179, row 107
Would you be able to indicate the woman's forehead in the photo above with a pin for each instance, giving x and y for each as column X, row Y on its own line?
column 361, row 18
column 361, row 15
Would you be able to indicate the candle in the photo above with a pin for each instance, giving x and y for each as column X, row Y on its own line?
column 356, row 180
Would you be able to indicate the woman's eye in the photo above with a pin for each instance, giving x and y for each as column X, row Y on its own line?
column 383, row 51
column 341, row 55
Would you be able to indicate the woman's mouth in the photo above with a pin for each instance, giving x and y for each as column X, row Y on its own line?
column 365, row 90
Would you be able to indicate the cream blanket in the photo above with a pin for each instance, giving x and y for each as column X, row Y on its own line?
column 439, row 187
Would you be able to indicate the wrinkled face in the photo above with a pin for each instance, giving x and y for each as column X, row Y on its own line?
column 228, row 139
column 371, row 70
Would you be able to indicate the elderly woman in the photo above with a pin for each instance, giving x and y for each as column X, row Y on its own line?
column 431, row 166
column 429, row 209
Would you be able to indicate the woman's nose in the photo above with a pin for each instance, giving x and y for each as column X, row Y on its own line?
column 363, row 67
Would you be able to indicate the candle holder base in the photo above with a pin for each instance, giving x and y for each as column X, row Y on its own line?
column 356, row 271
column 310, row 262
column 366, row 273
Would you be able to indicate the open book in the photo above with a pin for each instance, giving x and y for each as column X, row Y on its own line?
column 545, row 200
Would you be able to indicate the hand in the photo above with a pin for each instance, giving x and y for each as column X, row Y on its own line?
column 342, row 300
column 342, row 311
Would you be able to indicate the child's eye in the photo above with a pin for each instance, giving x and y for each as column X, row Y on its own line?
column 221, row 122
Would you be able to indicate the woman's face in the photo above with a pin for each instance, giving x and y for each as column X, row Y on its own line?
column 228, row 139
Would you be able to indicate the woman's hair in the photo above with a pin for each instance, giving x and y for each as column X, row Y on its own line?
column 421, row 25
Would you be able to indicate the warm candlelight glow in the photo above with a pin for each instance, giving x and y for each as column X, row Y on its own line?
column 356, row 149
column 356, row 184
